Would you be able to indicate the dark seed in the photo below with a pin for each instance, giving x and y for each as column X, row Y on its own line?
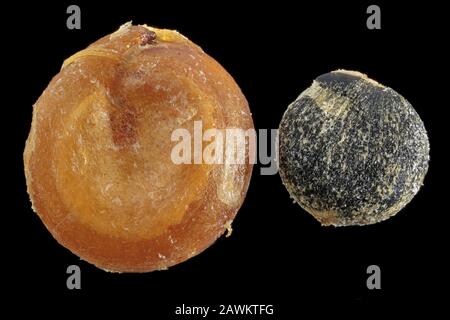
column 352, row 152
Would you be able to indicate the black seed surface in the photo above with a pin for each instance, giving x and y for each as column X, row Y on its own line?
column 352, row 152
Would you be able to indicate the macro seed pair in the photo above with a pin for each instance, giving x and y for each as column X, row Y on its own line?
column 98, row 157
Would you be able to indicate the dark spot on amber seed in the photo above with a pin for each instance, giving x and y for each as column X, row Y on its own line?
column 147, row 37
column 123, row 127
column 352, row 152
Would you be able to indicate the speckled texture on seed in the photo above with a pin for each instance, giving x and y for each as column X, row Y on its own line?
column 352, row 152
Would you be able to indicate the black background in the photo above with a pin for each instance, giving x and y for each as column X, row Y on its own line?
column 277, row 254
